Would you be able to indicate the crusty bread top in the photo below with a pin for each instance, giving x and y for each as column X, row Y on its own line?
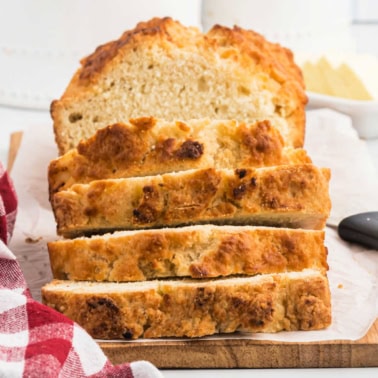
column 164, row 69
column 148, row 146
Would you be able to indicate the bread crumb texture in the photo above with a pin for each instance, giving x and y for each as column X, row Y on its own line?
column 166, row 70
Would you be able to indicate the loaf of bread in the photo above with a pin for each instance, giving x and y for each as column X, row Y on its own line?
column 196, row 251
column 181, row 154
column 193, row 308
column 166, row 70
column 294, row 196
column 147, row 146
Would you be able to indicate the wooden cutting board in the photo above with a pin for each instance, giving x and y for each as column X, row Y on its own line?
column 242, row 353
column 14, row 144
column 239, row 353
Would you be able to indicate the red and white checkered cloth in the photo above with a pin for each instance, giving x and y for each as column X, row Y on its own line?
column 35, row 340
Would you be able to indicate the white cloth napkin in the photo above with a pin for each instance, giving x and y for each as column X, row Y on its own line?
column 35, row 340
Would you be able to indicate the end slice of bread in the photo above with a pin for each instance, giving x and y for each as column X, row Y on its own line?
column 194, row 308
column 166, row 70
column 147, row 146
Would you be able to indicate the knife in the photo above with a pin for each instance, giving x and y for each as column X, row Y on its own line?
column 360, row 228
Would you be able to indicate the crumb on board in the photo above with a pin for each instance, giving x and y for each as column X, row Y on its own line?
column 30, row 240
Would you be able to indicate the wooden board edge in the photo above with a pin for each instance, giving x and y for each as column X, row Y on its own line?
column 247, row 353
column 14, row 145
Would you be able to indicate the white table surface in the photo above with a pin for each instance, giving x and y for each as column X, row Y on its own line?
column 17, row 119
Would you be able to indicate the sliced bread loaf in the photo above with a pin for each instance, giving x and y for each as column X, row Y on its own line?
column 166, row 70
column 294, row 196
column 193, row 308
column 147, row 146
column 196, row 251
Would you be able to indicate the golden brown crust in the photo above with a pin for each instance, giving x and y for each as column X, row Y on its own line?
column 146, row 146
column 267, row 303
column 199, row 252
column 165, row 28
column 293, row 196
column 238, row 72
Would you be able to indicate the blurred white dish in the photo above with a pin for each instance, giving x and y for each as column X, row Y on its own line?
column 42, row 41
column 310, row 26
column 364, row 114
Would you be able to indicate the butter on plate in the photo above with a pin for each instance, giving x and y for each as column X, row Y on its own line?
column 349, row 76
column 347, row 83
column 339, row 81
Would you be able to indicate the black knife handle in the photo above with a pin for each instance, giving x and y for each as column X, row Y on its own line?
column 361, row 229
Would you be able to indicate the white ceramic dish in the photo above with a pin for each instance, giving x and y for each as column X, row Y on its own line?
column 364, row 114
column 42, row 41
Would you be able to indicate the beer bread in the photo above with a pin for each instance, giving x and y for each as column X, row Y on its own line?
column 147, row 146
column 193, row 308
column 166, row 70
column 204, row 251
column 294, row 196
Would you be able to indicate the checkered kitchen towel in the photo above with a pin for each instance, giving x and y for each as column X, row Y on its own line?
column 36, row 341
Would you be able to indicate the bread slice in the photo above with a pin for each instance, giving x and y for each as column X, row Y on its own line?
column 194, row 308
column 294, row 196
column 196, row 251
column 147, row 146
column 164, row 69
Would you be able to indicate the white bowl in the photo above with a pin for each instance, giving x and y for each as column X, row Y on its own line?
column 364, row 114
